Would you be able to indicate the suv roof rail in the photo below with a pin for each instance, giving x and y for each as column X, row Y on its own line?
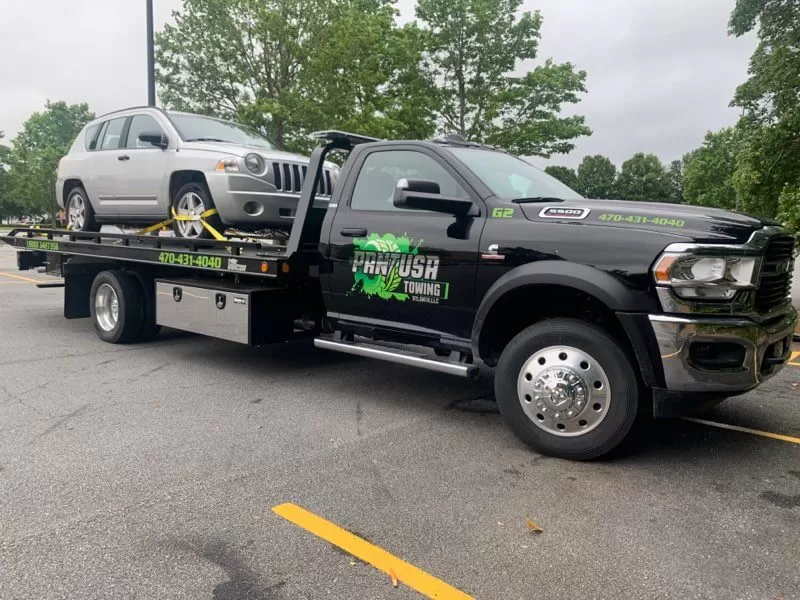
column 119, row 110
column 343, row 139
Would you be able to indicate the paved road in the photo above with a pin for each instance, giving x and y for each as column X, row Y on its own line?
column 150, row 472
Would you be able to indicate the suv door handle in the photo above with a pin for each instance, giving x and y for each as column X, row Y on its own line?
column 353, row 232
column 123, row 157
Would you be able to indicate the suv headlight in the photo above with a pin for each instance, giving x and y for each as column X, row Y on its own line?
column 706, row 277
column 228, row 165
column 255, row 164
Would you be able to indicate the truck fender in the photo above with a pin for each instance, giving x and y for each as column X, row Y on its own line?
column 601, row 285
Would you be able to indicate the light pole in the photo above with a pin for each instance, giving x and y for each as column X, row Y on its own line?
column 151, row 65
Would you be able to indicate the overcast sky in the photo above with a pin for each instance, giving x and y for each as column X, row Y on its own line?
column 660, row 72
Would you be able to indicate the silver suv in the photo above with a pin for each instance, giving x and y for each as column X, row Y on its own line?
column 136, row 165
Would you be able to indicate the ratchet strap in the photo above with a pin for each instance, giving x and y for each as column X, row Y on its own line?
column 176, row 217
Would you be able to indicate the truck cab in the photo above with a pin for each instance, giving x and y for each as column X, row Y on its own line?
column 588, row 309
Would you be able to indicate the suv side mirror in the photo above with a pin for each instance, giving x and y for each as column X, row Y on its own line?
column 419, row 194
column 155, row 138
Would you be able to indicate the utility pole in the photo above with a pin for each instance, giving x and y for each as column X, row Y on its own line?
column 151, row 65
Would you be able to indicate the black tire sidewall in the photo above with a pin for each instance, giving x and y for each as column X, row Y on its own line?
column 129, row 298
column 622, row 410
column 89, row 223
column 202, row 191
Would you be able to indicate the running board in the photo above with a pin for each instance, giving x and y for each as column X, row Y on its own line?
column 403, row 358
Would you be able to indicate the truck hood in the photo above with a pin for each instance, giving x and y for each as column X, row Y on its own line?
column 697, row 223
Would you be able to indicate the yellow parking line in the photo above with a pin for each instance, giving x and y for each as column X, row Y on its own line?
column 766, row 434
column 794, row 359
column 20, row 277
column 394, row 567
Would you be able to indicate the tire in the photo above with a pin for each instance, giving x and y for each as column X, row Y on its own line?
column 577, row 357
column 123, row 324
column 79, row 212
column 194, row 198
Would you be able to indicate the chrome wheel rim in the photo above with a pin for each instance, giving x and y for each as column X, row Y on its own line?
column 190, row 204
column 106, row 306
column 76, row 213
column 564, row 391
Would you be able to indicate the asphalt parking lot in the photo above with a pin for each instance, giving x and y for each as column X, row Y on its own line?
column 151, row 471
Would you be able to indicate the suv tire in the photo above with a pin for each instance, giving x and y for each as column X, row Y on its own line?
column 194, row 198
column 79, row 212
column 567, row 389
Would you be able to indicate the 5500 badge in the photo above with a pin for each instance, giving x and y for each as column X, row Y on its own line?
column 393, row 268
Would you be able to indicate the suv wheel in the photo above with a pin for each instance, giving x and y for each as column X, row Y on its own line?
column 80, row 214
column 567, row 389
column 194, row 199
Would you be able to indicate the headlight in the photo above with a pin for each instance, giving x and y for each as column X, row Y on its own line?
column 228, row 165
column 706, row 277
column 254, row 164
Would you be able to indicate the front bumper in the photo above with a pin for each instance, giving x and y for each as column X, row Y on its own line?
column 244, row 200
column 767, row 347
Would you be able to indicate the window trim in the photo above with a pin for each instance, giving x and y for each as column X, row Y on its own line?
column 424, row 150
column 128, row 131
column 123, row 132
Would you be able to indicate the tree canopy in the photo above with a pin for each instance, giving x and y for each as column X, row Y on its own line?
column 475, row 50
column 596, row 177
column 708, row 171
column 293, row 66
column 643, row 177
column 33, row 158
column 565, row 175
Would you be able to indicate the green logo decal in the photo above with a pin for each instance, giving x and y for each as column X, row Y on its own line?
column 502, row 213
column 392, row 268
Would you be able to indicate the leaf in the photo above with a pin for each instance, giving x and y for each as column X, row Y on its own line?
column 392, row 279
column 533, row 526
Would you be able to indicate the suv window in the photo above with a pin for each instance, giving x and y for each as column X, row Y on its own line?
column 141, row 124
column 112, row 134
column 382, row 170
column 90, row 137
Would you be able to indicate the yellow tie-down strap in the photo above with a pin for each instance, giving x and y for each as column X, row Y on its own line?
column 176, row 217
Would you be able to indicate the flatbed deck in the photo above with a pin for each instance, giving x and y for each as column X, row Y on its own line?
column 242, row 257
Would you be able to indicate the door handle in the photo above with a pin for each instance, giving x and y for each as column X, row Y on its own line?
column 123, row 157
column 353, row 232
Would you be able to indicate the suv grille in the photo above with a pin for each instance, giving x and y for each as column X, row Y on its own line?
column 776, row 273
column 289, row 177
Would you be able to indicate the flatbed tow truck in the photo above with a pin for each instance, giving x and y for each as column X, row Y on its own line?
column 590, row 311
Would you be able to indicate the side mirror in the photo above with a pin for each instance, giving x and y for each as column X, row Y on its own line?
column 419, row 194
column 155, row 138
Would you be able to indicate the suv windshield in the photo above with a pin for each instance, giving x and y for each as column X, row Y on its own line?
column 512, row 178
column 194, row 128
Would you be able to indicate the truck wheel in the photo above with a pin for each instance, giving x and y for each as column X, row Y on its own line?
column 194, row 199
column 567, row 389
column 80, row 214
column 149, row 329
column 116, row 307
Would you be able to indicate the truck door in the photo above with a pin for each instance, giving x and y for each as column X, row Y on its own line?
column 399, row 268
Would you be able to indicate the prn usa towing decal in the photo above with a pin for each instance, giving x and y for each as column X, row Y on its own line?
column 393, row 268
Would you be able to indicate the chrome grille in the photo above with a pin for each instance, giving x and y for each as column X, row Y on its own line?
column 776, row 273
column 289, row 177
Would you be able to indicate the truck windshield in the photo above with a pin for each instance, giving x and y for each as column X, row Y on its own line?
column 512, row 178
column 196, row 128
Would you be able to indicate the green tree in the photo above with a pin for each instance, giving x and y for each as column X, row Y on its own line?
column 675, row 173
column 708, row 171
column 475, row 47
column 293, row 66
column 33, row 159
column 565, row 175
column 767, row 174
column 7, row 208
column 644, row 178
column 596, row 176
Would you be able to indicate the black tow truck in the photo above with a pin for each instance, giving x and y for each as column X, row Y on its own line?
column 446, row 254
